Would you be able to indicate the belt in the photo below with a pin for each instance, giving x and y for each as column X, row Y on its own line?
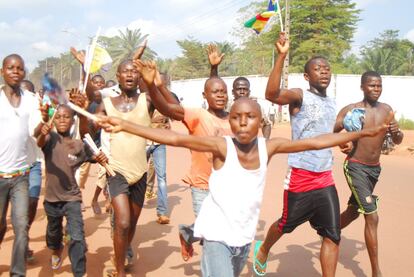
column 15, row 173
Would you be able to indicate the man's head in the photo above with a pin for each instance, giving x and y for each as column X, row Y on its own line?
column 127, row 76
column 110, row 83
column 64, row 119
column 371, row 85
column 245, row 119
column 27, row 85
column 318, row 73
column 241, row 87
column 98, row 82
column 13, row 71
column 215, row 93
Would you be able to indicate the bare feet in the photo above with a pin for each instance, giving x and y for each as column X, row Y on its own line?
column 96, row 208
column 187, row 250
column 163, row 219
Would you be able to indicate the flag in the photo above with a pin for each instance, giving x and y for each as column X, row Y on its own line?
column 101, row 60
column 258, row 22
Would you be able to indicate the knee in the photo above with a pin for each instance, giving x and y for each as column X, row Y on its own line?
column 372, row 219
column 122, row 227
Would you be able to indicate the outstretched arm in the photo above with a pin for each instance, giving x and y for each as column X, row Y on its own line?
column 165, row 136
column 215, row 58
column 148, row 71
column 273, row 91
column 279, row 145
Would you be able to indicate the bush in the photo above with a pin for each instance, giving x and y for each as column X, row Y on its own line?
column 405, row 123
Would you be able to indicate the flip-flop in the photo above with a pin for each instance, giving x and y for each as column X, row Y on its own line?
column 55, row 262
column 256, row 261
column 186, row 249
column 111, row 273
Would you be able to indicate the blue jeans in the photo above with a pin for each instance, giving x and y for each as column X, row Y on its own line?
column 221, row 260
column 16, row 190
column 158, row 153
column 55, row 212
column 35, row 180
column 187, row 231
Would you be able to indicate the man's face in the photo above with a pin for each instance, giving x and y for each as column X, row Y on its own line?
column 241, row 88
column 372, row 89
column 13, row 71
column 245, row 120
column 97, row 83
column 216, row 94
column 319, row 75
column 128, row 76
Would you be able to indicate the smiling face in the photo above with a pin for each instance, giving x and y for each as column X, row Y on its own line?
column 13, row 70
column 63, row 119
column 245, row 119
column 318, row 74
column 372, row 89
column 127, row 76
column 215, row 92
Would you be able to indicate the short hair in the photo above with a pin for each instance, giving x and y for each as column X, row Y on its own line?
column 308, row 63
column 124, row 62
column 369, row 74
column 17, row 56
column 98, row 76
column 211, row 79
column 64, row 106
column 110, row 83
column 241, row 78
column 29, row 85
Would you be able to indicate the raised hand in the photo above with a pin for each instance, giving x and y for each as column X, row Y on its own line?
column 78, row 98
column 45, row 130
column 140, row 51
column 214, row 56
column 44, row 110
column 147, row 69
column 78, row 55
column 282, row 44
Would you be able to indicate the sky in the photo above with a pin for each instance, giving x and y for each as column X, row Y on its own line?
column 36, row 29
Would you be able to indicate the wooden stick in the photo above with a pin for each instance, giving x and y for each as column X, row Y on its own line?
column 50, row 122
column 82, row 111
column 89, row 141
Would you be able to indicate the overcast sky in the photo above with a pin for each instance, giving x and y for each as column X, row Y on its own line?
column 40, row 28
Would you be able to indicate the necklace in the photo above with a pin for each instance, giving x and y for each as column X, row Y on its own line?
column 127, row 104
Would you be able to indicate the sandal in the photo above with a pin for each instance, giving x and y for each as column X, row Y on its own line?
column 55, row 262
column 256, row 262
column 111, row 273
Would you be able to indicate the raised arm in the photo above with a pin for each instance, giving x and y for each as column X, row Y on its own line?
column 273, row 91
column 279, row 145
column 214, row 58
column 148, row 71
column 164, row 136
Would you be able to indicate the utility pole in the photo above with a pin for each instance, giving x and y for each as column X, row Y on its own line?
column 285, row 73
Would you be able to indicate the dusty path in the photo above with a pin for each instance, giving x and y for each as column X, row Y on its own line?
column 157, row 246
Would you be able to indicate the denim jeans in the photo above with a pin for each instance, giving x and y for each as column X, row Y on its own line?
column 221, row 260
column 55, row 212
column 35, row 180
column 158, row 153
column 187, row 231
column 16, row 190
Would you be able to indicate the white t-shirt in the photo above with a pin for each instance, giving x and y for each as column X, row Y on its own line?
column 231, row 210
column 17, row 125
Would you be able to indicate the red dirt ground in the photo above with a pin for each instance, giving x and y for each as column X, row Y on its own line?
column 157, row 246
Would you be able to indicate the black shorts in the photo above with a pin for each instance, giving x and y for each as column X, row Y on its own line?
column 136, row 192
column 362, row 179
column 320, row 207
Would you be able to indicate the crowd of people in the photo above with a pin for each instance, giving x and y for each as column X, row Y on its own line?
column 230, row 143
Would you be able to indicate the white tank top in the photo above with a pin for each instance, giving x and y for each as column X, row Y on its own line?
column 231, row 210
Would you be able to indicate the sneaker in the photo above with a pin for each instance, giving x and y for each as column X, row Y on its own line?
column 55, row 262
column 163, row 219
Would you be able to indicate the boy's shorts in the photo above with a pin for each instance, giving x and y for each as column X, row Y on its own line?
column 320, row 207
column 136, row 192
column 362, row 179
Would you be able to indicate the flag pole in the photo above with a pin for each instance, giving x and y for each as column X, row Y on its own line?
column 89, row 59
column 280, row 16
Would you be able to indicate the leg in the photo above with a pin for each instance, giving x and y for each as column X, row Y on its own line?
column 4, row 205
column 159, row 157
column 240, row 258
column 150, row 173
column 122, row 216
column 19, row 199
column 216, row 260
column 83, row 174
column 371, row 240
column 329, row 257
column 35, row 183
column 350, row 214
column 54, row 230
column 77, row 244
column 95, row 205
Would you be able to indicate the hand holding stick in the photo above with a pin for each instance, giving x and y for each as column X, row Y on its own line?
column 89, row 141
column 81, row 111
